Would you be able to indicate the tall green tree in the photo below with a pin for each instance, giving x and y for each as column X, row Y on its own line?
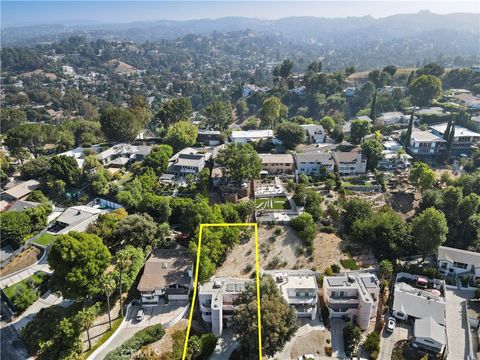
column 290, row 134
column 78, row 260
column 108, row 286
column 240, row 161
column 373, row 150
column 137, row 230
column 120, row 124
column 16, row 226
column 424, row 89
column 272, row 111
column 173, row 111
column 359, row 129
column 65, row 168
column 181, row 134
column 278, row 319
column 158, row 158
column 422, row 176
column 219, row 114
column 409, row 131
column 86, row 318
column 373, row 107
column 429, row 229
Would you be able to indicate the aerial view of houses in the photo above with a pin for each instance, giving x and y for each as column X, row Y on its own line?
column 240, row 180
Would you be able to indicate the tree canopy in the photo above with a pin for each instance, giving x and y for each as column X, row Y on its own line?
column 78, row 260
column 279, row 321
column 240, row 161
column 290, row 134
column 424, row 89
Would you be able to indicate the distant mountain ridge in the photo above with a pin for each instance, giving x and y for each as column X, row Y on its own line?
column 314, row 29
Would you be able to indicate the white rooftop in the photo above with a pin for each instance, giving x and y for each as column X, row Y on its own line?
column 460, row 131
column 425, row 136
column 252, row 134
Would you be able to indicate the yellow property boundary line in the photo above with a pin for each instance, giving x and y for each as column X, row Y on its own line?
column 195, row 284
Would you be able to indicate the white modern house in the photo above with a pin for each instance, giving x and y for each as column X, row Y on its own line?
column 312, row 163
column 463, row 138
column 354, row 295
column 216, row 298
column 167, row 275
column 246, row 136
column 393, row 157
column 315, row 133
column 425, row 143
column 299, row 289
column 121, row 154
column 451, row 261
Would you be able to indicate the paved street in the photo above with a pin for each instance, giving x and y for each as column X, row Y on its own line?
column 161, row 314
column 387, row 341
column 457, row 323
column 12, row 347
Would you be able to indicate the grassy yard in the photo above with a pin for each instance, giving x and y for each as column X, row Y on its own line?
column 36, row 280
column 45, row 239
column 275, row 203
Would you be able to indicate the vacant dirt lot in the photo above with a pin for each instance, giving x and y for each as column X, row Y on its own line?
column 285, row 251
column 312, row 343
column 23, row 260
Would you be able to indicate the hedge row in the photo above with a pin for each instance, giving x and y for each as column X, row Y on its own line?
column 131, row 346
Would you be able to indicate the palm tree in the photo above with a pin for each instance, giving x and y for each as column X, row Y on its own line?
column 108, row 285
column 124, row 260
column 87, row 317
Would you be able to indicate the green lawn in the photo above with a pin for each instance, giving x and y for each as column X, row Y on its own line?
column 275, row 203
column 45, row 239
column 36, row 278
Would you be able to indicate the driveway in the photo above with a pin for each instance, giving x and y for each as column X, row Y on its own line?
column 11, row 345
column 336, row 327
column 457, row 322
column 388, row 340
column 153, row 315
column 307, row 327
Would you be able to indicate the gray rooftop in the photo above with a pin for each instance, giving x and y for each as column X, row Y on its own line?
column 428, row 328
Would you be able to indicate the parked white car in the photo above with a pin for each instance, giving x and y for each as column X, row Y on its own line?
column 391, row 324
column 140, row 314
column 306, row 357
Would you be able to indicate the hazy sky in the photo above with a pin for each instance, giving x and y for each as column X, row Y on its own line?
column 38, row 12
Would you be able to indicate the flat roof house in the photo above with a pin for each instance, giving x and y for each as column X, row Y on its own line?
column 167, row 275
column 315, row 133
column 451, row 261
column 351, row 162
column 424, row 143
column 243, row 137
column 216, row 298
column 464, row 140
column 277, row 163
column 299, row 289
column 354, row 295
column 312, row 163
